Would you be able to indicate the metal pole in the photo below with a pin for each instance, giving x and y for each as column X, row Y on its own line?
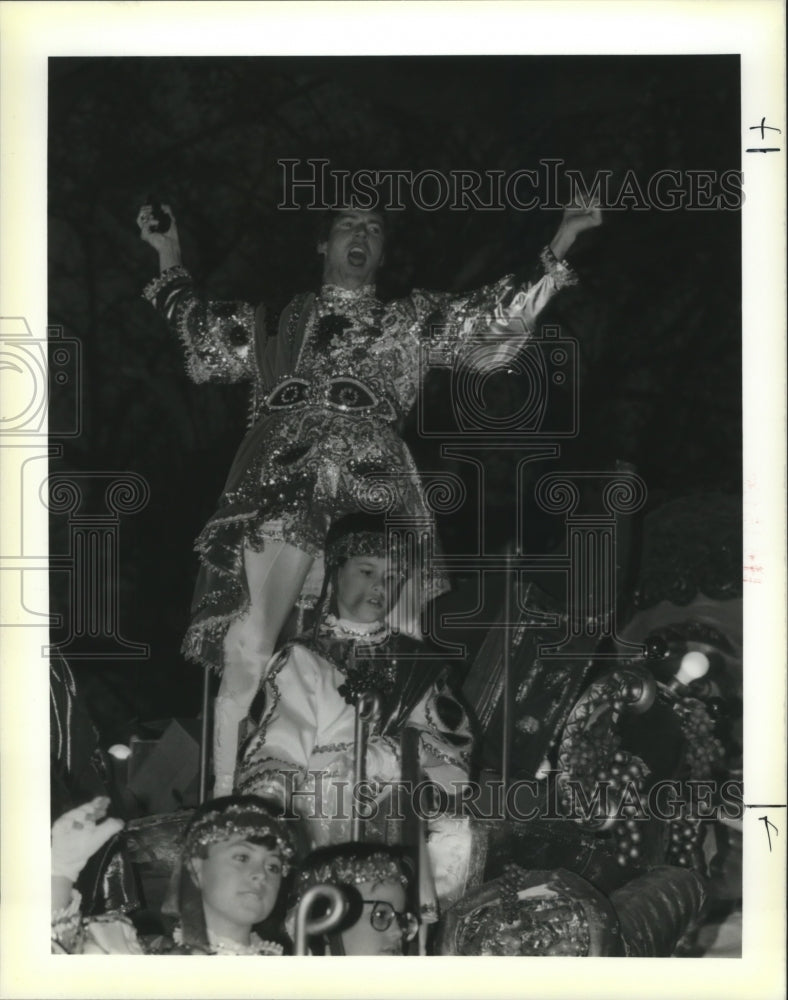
column 507, row 681
column 204, row 732
column 367, row 710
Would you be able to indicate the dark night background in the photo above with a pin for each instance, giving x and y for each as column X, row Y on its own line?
column 658, row 311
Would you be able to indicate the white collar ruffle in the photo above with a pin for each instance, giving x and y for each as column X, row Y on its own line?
column 343, row 628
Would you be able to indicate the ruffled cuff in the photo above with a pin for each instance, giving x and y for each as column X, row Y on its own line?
column 154, row 288
column 563, row 274
column 67, row 929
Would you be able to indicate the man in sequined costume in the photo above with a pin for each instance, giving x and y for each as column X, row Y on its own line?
column 332, row 386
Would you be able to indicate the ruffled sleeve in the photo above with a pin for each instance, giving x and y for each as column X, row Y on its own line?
column 491, row 323
column 218, row 337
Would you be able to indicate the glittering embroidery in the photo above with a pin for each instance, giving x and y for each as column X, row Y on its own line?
column 447, row 758
column 376, row 868
column 562, row 273
column 244, row 820
column 307, row 462
column 333, row 747
column 223, row 946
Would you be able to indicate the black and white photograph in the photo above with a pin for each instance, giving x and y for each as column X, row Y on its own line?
column 386, row 512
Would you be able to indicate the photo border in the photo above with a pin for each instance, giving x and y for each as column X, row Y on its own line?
column 29, row 34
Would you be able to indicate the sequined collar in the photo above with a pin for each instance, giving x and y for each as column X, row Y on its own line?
column 369, row 632
column 335, row 293
column 224, row 946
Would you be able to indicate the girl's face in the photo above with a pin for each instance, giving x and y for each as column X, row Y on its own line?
column 367, row 589
column 240, row 883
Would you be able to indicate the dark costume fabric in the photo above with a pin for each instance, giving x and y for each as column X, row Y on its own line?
column 78, row 771
column 331, row 389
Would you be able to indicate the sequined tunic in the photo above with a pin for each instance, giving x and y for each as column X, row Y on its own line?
column 330, row 390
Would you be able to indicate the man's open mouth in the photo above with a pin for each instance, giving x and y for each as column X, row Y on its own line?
column 357, row 257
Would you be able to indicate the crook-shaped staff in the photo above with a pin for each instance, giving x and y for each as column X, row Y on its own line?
column 367, row 712
column 305, row 926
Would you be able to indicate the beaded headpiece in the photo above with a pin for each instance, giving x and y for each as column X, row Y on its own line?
column 350, row 870
column 246, row 820
column 362, row 534
column 363, row 543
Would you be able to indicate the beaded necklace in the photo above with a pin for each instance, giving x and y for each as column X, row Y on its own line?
column 225, row 946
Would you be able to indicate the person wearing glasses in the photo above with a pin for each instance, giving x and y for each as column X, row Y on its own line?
column 376, row 882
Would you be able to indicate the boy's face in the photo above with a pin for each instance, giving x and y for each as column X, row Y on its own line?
column 383, row 901
column 239, row 882
column 354, row 249
column 367, row 589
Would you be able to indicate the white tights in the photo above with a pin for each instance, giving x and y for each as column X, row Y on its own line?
column 275, row 577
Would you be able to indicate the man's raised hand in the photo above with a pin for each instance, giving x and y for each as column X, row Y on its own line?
column 167, row 244
column 580, row 214
column 583, row 212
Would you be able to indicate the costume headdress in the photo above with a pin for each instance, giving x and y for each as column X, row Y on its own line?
column 244, row 817
column 356, row 535
column 351, row 865
column 361, row 535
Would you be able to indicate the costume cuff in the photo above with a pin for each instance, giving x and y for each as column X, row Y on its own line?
column 563, row 274
column 152, row 290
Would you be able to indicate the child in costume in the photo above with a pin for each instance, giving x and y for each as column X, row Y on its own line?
column 233, row 858
column 301, row 749
column 376, row 882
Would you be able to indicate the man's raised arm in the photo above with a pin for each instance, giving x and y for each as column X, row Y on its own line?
column 218, row 337
column 504, row 313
